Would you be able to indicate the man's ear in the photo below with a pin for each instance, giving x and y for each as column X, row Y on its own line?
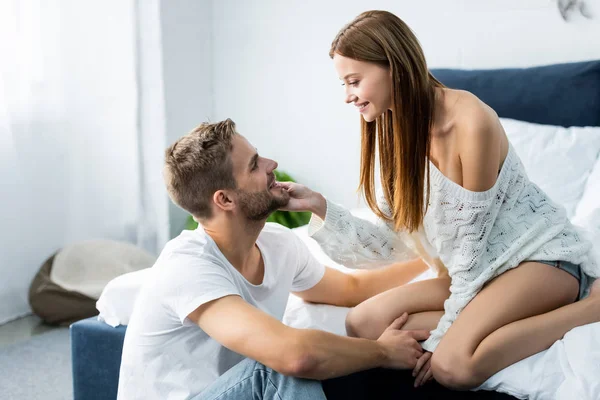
column 224, row 200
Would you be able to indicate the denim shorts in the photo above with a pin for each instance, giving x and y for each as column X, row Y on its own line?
column 573, row 269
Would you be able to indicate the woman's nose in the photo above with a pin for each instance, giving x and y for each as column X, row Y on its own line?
column 350, row 98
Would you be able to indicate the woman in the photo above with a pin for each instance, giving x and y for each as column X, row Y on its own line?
column 454, row 192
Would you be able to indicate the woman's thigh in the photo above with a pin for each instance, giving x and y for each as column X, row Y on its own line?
column 528, row 290
column 372, row 316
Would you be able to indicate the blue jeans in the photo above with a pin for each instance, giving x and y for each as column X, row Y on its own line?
column 250, row 380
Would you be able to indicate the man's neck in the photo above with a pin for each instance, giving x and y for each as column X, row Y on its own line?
column 236, row 239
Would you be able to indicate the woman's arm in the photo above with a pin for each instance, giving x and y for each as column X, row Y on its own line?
column 345, row 238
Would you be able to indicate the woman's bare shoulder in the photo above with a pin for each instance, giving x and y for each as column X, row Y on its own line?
column 472, row 117
column 479, row 138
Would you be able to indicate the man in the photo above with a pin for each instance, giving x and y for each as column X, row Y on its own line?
column 208, row 321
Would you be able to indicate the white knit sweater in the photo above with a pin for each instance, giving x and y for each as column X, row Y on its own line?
column 476, row 235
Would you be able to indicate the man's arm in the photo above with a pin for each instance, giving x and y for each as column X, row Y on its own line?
column 305, row 353
column 348, row 290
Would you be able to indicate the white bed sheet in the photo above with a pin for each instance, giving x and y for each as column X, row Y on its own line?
column 569, row 370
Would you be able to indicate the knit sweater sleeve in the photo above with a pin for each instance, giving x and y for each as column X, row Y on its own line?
column 358, row 243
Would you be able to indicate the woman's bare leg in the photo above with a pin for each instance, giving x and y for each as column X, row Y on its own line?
column 370, row 318
column 426, row 321
column 520, row 313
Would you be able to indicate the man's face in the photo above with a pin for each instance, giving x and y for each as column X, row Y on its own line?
column 258, row 194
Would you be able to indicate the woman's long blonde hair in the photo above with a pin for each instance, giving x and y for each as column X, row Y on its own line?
column 402, row 135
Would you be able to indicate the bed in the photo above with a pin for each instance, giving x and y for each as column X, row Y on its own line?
column 552, row 116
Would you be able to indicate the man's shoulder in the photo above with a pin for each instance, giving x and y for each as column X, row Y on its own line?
column 187, row 238
column 190, row 249
column 276, row 228
column 286, row 245
column 190, row 242
column 274, row 232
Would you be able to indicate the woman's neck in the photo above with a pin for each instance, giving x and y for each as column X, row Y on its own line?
column 444, row 102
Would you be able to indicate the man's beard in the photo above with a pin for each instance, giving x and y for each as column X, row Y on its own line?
column 259, row 205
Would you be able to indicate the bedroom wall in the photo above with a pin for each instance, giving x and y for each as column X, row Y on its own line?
column 272, row 74
column 187, row 73
column 77, row 176
column 67, row 154
column 264, row 63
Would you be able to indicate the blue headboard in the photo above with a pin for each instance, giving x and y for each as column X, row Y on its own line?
column 560, row 94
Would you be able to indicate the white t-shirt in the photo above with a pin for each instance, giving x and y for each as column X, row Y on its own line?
column 167, row 356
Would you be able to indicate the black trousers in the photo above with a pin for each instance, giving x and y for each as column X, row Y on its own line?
column 384, row 384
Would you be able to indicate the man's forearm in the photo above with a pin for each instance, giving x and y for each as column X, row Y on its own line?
column 372, row 282
column 325, row 355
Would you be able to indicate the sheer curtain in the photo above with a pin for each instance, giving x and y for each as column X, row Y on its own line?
column 74, row 162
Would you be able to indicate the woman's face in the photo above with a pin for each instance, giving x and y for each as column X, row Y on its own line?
column 368, row 85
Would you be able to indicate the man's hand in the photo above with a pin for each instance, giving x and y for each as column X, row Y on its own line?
column 402, row 347
column 304, row 199
column 422, row 371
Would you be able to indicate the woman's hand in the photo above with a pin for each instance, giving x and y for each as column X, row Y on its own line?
column 422, row 371
column 304, row 199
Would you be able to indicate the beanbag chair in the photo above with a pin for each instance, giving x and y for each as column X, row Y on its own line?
column 69, row 283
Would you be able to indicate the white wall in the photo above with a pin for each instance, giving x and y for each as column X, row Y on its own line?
column 187, row 75
column 273, row 76
column 262, row 63
column 69, row 147
column 133, row 76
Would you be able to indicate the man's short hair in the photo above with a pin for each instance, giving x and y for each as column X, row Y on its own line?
column 199, row 164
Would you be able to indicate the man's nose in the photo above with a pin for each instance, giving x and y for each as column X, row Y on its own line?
column 272, row 165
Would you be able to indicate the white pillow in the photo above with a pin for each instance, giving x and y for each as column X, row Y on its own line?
column 559, row 160
column 590, row 201
column 587, row 214
column 118, row 297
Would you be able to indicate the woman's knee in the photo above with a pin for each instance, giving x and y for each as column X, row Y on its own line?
column 455, row 371
column 354, row 322
column 361, row 322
